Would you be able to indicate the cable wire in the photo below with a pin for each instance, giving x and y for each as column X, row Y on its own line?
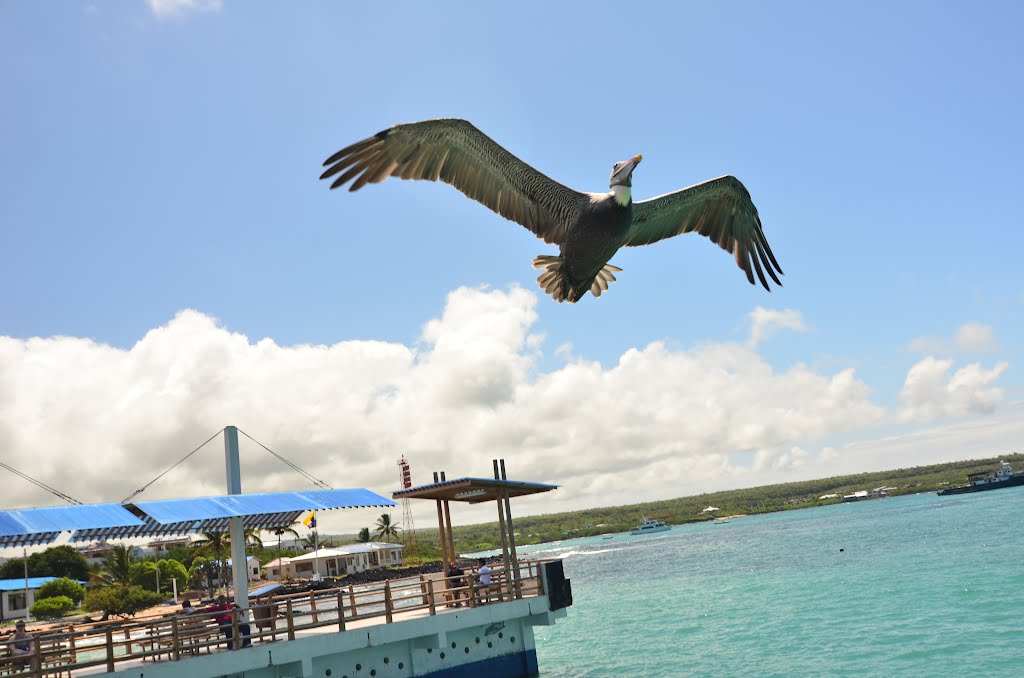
column 39, row 483
column 144, row 487
column 311, row 478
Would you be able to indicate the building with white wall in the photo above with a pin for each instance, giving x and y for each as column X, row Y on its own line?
column 16, row 599
column 334, row 562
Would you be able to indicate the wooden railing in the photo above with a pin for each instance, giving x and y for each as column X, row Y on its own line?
column 104, row 645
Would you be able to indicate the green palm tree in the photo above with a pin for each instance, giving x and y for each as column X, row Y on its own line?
column 217, row 544
column 364, row 535
column 252, row 538
column 313, row 541
column 116, row 569
column 386, row 528
column 279, row 531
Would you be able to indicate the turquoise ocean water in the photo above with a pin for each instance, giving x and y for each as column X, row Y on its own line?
column 925, row 585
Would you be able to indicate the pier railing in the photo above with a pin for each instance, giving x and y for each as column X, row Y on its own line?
column 107, row 646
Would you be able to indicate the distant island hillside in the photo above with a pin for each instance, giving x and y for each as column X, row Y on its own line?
column 769, row 498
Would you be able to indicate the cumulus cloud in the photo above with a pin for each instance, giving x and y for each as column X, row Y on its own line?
column 98, row 422
column 764, row 323
column 969, row 337
column 166, row 8
column 930, row 391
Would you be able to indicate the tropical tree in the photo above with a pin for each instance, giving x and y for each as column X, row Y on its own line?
column 202, row 574
column 122, row 601
column 217, row 544
column 172, row 569
column 117, row 568
column 62, row 587
column 280, row 531
column 145, row 574
column 364, row 535
column 386, row 528
column 56, row 561
column 51, row 608
column 313, row 541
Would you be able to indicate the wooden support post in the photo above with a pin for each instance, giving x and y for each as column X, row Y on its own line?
column 110, row 651
column 37, row 657
column 175, row 640
column 442, row 536
column 516, row 583
column 312, row 606
column 341, row 610
column 291, row 621
column 352, row 600
column 388, row 609
column 430, row 597
column 71, row 646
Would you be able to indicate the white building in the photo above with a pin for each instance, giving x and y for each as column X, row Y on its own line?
column 160, row 547
column 15, row 599
column 334, row 562
column 97, row 552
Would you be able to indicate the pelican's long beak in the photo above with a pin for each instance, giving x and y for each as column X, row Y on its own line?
column 623, row 175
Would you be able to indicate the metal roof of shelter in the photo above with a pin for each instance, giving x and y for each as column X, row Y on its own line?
column 19, row 584
column 36, row 526
column 32, row 527
column 473, row 490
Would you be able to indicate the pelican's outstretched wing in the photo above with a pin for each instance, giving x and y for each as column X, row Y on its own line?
column 459, row 154
column 720, row 209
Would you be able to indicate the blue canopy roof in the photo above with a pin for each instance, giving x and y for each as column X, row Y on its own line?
column 31, row 527
column 19, row 584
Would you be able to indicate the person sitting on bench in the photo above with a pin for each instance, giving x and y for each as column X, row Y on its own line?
column 483, row 573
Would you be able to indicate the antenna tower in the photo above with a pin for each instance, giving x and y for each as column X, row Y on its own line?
column 405, row 478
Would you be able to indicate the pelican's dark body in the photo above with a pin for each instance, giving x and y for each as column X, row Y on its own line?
column 589, row 228
column 592, row 240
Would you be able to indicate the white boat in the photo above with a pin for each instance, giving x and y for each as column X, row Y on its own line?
column 649, row 526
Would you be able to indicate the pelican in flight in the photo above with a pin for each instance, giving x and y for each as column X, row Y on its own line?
column 589, row 228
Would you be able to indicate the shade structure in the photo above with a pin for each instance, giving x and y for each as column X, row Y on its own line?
column 473, row 490
column 38, row 526
column 32, row 527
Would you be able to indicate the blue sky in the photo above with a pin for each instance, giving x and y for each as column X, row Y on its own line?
column 159, row 181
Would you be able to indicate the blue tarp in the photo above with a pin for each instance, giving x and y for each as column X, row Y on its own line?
column 19, row 584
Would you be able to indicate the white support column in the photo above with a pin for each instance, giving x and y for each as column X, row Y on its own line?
column 239, row 566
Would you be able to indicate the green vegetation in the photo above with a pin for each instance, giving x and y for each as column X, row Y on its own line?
column 386, row 529
column 51, row 608
column 57, row 561
column 765, row 499
column 68, row 588
column 120, row 601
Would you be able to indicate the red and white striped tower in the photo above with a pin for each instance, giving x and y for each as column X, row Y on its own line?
column 405, row 478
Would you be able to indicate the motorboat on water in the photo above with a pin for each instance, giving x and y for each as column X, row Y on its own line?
column 987, row 480
column 649, row 526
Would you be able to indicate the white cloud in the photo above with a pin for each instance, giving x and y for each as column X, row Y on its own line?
column 969, row 337
column 976, row 338
column 166, row 8
column 98, row 422
column 764, row 323
column 930, row 392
